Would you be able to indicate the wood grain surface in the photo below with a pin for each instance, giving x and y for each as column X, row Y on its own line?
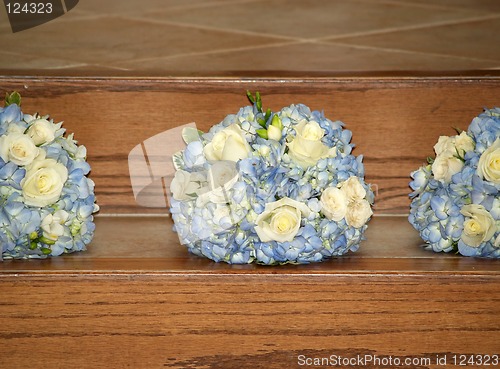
column 395, row 121
column 242, row 321
column 144, row 245
column 137, row 299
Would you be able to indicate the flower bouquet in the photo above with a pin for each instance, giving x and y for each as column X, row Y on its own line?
column 456, row 200
column 46, row 200
column 270, row 188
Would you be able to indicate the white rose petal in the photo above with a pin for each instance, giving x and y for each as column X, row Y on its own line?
column 479, row 227
column 358, row 213
column 444, row 144
column 464, row 143
column 353, row 189
column 312, row 131
column 222, row 173
column 43, row 182
column 42, row 131
column 280, row 220
column 186, row 185
column 18, row 148
column 445, row 166
column 52, row 225
column 489, row 163
column 333, row 203
column 306, row 148
column 228, row 144
column 222, row 176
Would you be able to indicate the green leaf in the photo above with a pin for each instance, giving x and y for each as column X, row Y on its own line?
column 47, row 241
column 430, row 160
column 178, row 160
column 458, row 156
column 262, row 122
column 33, row 245
column 13, row 98
column 262, row 133
column 258, row 101
column 190, row 134
column 250, row 97
column 277, row 122
column 268, row 114
column 46, row 251
column 458, row 130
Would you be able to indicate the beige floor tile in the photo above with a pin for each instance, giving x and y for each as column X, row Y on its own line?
column 310, row 18
column 15, row 62
column 110, row 39
column 300, row 60
column 232, row 37
column 473, row 40
column 134, row 7
column 485, row 5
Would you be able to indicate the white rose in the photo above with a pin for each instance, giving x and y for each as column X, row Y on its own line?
column 444, row 144
column 44, row 181
column 489, row 163
column 42, row 131
column 358, row 213
column 222, row 176
column 280, row 220
column 353, row 189
column 52, row 225
column 228, row 144
column 186, row 185
column 333, row 203
column 306, row 148
column 18, row 148
column 479, row 227
column 445, row 166
column 464, row 143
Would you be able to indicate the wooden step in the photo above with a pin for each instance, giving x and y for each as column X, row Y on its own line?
column 137, row 299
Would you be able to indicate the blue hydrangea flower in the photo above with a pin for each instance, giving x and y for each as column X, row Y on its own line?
column 437, row 207
column 32, row 231
column 228, row 232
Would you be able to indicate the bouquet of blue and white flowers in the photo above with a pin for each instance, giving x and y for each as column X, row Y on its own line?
column 456, row 200
column 270, row 188
column 46, row 200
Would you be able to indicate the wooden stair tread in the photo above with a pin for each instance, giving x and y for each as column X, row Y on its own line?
column 147, row 244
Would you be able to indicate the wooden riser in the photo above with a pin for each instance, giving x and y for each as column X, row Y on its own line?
column 395, row 121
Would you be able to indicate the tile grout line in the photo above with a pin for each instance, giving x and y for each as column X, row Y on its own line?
column 206, row 5
column 410, row 28
column 215, row 29
column 213, row 52
column 402, row 51
column 426, row 6
column 180, row 7
column 325, row 38
column 420, row 5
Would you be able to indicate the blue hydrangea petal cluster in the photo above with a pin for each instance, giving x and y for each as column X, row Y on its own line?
column 63, row 223
column 270, row 170
column 460, row 212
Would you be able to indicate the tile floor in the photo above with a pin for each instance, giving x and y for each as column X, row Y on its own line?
column 257, row 37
